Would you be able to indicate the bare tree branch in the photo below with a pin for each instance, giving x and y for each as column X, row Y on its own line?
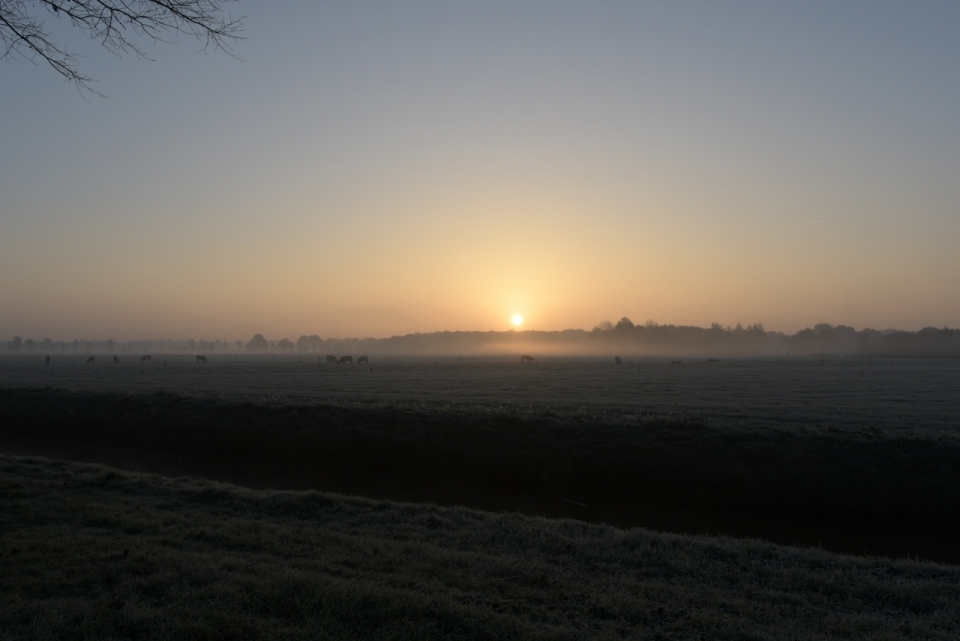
column 116, row 24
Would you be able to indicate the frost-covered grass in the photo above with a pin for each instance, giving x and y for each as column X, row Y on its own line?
column 89, row 552
column 852, row 476
column 893, row 395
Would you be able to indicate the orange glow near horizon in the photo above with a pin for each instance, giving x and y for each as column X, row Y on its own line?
column 413, row 170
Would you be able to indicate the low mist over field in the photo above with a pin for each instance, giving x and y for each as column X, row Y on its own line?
column 622, row 338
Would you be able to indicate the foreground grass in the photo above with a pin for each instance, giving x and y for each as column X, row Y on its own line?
column 88, row 552
column 864, row 476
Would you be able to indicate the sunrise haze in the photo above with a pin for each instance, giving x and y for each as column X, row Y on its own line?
column 383, row 168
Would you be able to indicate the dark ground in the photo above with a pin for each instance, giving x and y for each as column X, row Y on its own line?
column 89, row 552
column 861, row 492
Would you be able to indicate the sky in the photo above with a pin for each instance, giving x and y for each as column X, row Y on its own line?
column 373, row 169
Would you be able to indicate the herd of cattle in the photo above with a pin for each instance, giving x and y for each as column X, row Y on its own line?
column 203, row 359
column 330, row 358
column 345, row 359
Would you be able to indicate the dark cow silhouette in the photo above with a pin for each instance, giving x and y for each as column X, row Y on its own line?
column 48, row 360
column 345, row 359
column 201, row 359
column 116, row 359
column 91, row 359
column 331, row 358
column 363, row 359
column 146, row 357
column 524, row 358
column 617, row 360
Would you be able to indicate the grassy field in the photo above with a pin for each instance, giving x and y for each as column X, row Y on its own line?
column 89, row 552
column 901, row 395
column 804, row 451
column 893, row 484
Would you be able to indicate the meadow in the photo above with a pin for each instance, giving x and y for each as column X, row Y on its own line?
column 894, row 395
column 87, row 552
column 850, row 454
column 233, row 531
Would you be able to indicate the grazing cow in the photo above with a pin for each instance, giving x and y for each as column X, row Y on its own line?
column 201, row 359
column 616, row 359
column 331, row 358
column 345, row 359
column 524, row 358
column 363, row 359
column 48, row 360
column 116, row 359
column 146, row 357
column 91, row 359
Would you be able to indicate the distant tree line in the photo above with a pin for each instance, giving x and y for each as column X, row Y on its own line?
column 622, row 337
column 752, row 339
column 822, row 339
column 110, row 346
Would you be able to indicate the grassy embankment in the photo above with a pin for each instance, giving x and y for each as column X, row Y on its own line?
column 89, row 552
column 862, row 477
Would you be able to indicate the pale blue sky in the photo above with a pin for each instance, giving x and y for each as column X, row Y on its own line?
column 372, row 169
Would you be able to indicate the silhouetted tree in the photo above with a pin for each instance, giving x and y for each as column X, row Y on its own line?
column 30, row 344
column 603, row 326
column 16, row 344
column 624, row 324
column 284, row 344
column 258, row 342
column 824, row 338
column 315, row 342
column 239, row 344
column 114, row 24
column 303, row 342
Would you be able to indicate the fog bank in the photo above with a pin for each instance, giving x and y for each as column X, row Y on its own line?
column 606, row 339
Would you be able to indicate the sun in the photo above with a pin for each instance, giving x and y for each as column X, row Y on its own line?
column 517, row 320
